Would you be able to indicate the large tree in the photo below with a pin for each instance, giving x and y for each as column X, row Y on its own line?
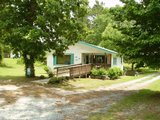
column 102, row 27
column 33, row 27
column 142, row 43
column 98, row 18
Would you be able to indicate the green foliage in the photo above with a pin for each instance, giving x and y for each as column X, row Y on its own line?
column 57, row 80
column 102, row 27
column 102, row 71
column 41, row 77
column 36, row 26
column 98, row 72
column 141, row 43
column 46, row 68
column 114, row 73
column 99, row 17
column 109, row 35
column 94, row 71
column 49, row 71
column 20, row 61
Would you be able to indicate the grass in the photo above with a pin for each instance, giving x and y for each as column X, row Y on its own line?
column 13, row 71
column 90, row 84
column 143, row 105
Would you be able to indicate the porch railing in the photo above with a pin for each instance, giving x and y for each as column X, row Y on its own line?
column 74, row 70
column 101, row 65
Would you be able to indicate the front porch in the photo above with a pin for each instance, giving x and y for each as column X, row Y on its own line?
column 97, row 59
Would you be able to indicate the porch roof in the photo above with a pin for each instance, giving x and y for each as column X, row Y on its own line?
column 98, row 47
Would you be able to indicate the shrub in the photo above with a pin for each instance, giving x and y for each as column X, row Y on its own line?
column 50, row 74
column 42, row 77
column 57, row 80
column 46, row 69
column 114, row 73
column 94, row 72
column 102, row 71
column 49, row 71
column 98, row 72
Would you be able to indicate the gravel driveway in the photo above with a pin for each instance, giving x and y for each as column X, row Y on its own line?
column 34, row 102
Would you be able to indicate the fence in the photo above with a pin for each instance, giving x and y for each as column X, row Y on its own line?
column 74, row 70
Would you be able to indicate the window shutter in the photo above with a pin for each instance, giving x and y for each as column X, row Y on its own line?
column 54, row 59
column 72, row 59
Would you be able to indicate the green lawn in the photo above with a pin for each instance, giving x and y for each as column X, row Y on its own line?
column 144, row 105
column 90, row 84
column 14, row 71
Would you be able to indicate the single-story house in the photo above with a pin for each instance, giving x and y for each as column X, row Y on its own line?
column 85, row 53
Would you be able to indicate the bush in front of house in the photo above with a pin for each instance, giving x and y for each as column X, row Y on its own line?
column 49, row 71
column 114, row 73
column 57, row 80
column 42, row 77
column 46, row 68
column 94, row 72
column 98, row 73
column 102, row 71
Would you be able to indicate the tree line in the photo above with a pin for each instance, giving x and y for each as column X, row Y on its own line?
column 36, row 26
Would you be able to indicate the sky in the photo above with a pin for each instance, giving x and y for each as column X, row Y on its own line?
column 108, row 3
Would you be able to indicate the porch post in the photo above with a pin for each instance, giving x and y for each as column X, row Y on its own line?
column 105, row 60
column 109, row 60
column 91, row 59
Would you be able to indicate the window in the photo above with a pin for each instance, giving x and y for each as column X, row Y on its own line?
column 66, row 59
column 114, row 61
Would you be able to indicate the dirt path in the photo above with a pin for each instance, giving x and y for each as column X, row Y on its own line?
column 39, row 103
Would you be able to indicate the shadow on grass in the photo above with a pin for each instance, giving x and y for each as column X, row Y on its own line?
column 136, row 105
column 65, row 85
column 16, row 79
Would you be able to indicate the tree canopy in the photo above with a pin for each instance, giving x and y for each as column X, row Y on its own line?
column 101, row 27
column 142, row 43
column 33, row 27
column 133, row 30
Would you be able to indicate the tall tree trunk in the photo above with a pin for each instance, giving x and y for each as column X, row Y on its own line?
column 1, row 54
column 133, row 66
column 29, row 65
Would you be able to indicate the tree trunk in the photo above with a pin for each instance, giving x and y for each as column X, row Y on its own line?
column 1, row 54
column 29, row 65
column 133, row 66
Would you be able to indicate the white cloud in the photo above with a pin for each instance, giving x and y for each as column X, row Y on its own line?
column 108, row 3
